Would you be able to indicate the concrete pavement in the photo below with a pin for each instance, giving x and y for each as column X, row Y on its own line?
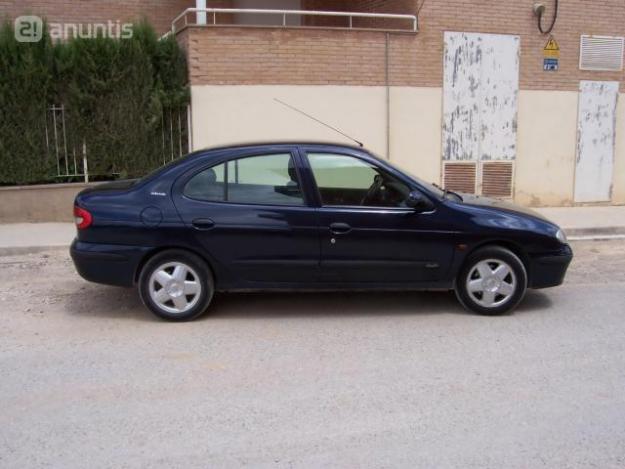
column 591, row 222
column 320, row 380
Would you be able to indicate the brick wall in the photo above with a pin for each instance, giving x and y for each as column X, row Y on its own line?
column 227, row 55
column 408, row 7
column 158, row 12
column 575, row 17
column 232, row 55
column 298, row 56
column 275, row 56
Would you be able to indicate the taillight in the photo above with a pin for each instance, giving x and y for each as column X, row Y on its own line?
column 82, row 218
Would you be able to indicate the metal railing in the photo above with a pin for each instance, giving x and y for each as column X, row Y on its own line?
column 176, row 129
column 202, row 13
column 70, row 152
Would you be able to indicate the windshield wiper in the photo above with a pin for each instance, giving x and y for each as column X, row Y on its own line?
column 446, row 192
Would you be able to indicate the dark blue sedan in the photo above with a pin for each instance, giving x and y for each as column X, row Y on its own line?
column 307, row 216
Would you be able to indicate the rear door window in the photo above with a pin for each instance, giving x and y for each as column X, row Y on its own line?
column 264, row 179
column 208, row 184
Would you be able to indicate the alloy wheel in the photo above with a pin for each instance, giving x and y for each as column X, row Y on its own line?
column 175, row 287
column 491, row 283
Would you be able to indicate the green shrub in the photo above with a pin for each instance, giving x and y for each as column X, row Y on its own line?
column 115, row 92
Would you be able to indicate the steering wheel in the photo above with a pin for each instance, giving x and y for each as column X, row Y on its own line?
column 378, row 182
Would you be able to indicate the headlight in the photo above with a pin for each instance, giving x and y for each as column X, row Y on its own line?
column 561, row 236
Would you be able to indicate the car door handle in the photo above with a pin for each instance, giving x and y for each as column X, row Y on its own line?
column 340, row 228
column 203, row 224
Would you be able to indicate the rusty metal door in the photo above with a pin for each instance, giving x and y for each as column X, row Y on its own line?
column 595, row 140
column 480, row 93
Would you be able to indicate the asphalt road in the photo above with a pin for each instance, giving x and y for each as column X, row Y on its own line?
column 88, row 378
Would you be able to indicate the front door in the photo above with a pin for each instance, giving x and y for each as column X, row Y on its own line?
column 368, row 233
column 251, row 217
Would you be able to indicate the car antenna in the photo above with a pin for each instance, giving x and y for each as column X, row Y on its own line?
column 317, row 120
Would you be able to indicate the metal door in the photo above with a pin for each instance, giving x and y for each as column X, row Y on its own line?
column 595, row 140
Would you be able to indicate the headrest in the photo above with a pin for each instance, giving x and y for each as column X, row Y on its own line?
column 209, row 176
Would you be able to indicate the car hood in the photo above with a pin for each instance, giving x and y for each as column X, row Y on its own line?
column 479, row 201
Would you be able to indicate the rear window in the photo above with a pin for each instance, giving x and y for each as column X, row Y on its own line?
column 208, row 184
column 264, row 179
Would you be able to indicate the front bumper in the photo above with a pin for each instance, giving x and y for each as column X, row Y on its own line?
column 111, row 264
column 548, row 270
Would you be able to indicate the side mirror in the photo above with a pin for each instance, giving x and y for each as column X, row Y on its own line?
column 419, row 202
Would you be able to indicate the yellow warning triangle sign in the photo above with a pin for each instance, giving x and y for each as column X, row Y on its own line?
column 552, row 44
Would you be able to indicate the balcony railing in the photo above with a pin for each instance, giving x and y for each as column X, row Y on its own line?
column 209, row 17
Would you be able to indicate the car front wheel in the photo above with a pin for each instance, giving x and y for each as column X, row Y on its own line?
column 492, row 281
column 176, row 285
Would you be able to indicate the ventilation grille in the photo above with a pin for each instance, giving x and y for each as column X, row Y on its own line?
column 497, row 179
column 460, row 177
column 601, row 53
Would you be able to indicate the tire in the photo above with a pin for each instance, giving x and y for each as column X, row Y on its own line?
column 492, row 281
column 176, row 285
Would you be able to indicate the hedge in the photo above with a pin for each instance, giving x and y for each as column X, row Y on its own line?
column 115, row 92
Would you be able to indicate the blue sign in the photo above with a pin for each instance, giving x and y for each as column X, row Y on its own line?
column 550, row 65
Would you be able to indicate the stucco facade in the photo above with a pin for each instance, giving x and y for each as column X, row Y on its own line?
column 342, row 77
column 389, row 89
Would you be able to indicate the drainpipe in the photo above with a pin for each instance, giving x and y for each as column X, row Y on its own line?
column 200, row 15
column 388, row 100
column 190, row 130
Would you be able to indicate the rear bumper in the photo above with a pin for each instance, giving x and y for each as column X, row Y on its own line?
column 548, row 270
column 110, row 264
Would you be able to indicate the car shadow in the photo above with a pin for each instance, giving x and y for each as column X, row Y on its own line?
column 534, row 300
column 124, row 303
column 102, row 301
column 325, row 304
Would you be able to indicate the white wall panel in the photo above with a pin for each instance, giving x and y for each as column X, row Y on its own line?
column 481, row 83
column 595, row 141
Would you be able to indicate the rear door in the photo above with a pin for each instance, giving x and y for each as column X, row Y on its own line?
column 251, row 216
column 367, row 233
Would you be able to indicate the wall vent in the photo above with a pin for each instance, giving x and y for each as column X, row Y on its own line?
column 601, row 53
column 497, row 179
column 460, row 177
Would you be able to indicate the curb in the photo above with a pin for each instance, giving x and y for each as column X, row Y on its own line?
column 597, row 237
column 595, row 234
column 21, row 250
column 603, row 231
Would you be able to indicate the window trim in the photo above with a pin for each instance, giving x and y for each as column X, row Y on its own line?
column 369, row 208
column 195, row 171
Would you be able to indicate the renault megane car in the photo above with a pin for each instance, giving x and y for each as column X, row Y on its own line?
column 307, row 216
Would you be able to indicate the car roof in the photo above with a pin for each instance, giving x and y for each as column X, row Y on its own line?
column 207, row 154
column 279, row 143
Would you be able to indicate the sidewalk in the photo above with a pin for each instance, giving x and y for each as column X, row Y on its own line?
column 18, row 238
column 577, row 222
column 587, row 221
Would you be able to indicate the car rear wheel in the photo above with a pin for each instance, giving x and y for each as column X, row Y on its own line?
column 492, row 281
column 176, row 285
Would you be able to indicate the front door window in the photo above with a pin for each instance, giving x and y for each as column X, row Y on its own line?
column 344, row 180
